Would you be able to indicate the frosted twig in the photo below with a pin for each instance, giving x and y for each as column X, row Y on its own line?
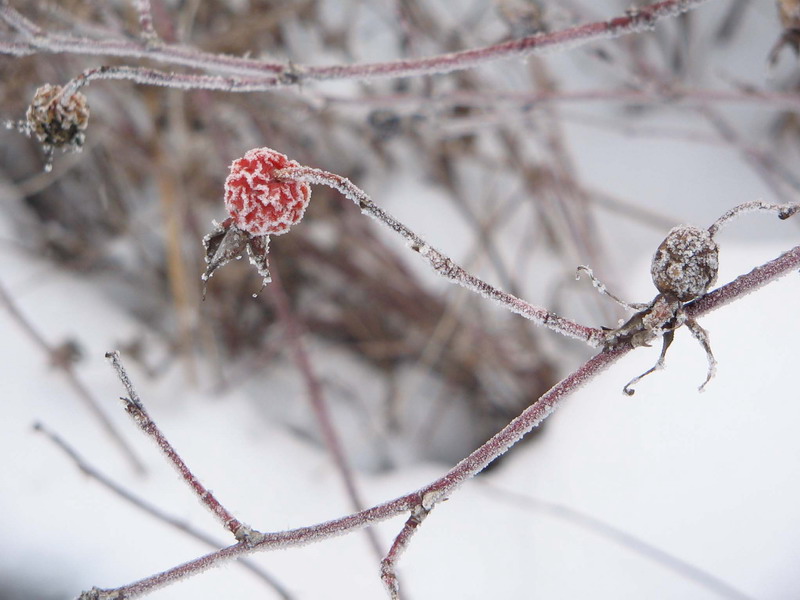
column 744, row 284
column 636, row 21
column 784, row 212
column 440, row 263
column 36, row 40
column 28, row 29
column 318, row 403
column 443, row 487
column 80, row 389
column 153, row 510
column 180, row 81
column 389, row 563
column 426, row 497
column 135, row 408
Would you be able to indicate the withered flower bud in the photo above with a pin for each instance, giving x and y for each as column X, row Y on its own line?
column 58, row 122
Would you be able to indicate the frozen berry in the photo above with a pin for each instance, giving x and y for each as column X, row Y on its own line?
column 257, row 202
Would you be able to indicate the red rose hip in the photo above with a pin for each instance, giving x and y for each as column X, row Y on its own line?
column 257, row 202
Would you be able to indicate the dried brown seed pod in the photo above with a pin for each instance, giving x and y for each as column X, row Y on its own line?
column 58, row 122
column 686, row 263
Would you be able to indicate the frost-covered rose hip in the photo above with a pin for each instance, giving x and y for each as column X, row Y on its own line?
column 257, row 202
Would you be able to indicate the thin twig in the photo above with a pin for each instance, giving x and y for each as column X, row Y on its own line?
column 77, row 385
column 135, row 408
column 153, row 510
column 763, row 164
column 389, row 563
column 318, row 402
column 633, row 543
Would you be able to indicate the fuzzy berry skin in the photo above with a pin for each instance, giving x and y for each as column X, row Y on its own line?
column 686, row 263
column 256, row 201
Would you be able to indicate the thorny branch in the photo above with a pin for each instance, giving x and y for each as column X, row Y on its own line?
column 440, row 489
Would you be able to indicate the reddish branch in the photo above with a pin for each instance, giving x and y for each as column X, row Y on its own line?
column 135, row 408
column 427, row 497
column 251, row 75
column 318, row 403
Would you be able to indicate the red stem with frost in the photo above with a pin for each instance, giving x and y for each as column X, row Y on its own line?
column 428, row 496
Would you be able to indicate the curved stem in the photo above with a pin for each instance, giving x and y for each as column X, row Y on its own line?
column 440, row 262
column 277, row 74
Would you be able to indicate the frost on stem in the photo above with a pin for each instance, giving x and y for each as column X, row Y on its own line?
column 57, row 120
column 259, row 205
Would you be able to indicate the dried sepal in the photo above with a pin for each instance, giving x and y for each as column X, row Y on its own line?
column 227, row 242
column 258, row 253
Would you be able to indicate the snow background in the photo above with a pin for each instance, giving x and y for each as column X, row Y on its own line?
column 709, row 478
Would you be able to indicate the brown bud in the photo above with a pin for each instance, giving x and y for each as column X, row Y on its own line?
column 58, row 122
column 686, row 263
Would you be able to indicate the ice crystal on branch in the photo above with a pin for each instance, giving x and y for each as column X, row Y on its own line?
column 258, row 203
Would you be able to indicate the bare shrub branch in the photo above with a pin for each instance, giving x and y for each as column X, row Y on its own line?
column 137, row 411
column 278, row 75
column 429, row 496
